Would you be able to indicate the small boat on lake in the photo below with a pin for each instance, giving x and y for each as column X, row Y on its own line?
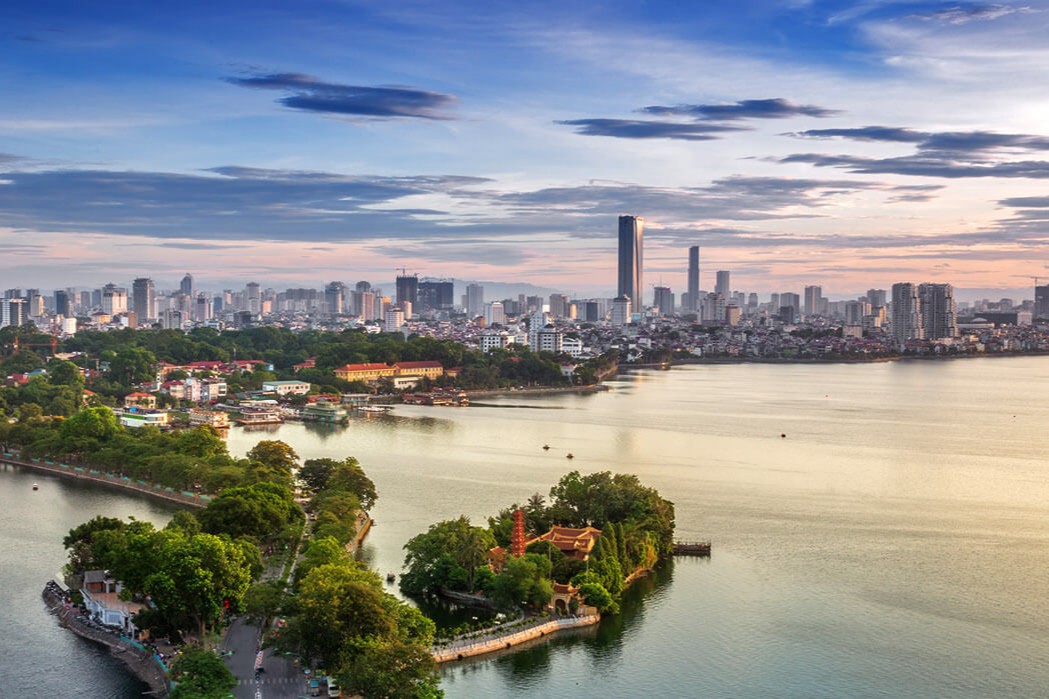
column 36, row 486
column 569, row 455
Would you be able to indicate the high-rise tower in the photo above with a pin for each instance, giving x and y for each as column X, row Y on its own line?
column 693, row 278
column 723, row 285
column 938, row 315
column 143, row 299
column 906, row 312
column 631, row 231
column 186, row 286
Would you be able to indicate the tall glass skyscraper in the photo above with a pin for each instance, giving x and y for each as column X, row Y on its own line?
column 631, row 230
column 693, row 278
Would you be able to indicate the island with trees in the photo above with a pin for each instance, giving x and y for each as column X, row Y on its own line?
column 574, row 555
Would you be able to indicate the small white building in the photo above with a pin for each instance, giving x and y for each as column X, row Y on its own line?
column 284, row 388
column 101, row 595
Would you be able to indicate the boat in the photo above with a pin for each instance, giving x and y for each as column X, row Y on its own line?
column 546, row 447
column 36, row 486
column 569, row 455
column 390, row 577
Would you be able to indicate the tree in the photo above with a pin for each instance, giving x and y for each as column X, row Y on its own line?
column 201, row 674
column 393, row 670
column 133, row 365
column 523, row 582
column 263, row 600
column 453, row 542
column 88, row 429
column 315, row 473
column 337, row 605
column 260, row 511
column 597, row 596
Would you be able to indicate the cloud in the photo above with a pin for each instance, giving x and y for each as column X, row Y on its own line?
column 1026, row 202
column 700, row 128
column 634, row 128
column 947, row 154
column 6, row 158
column 775, row 108
column 310, row 94
column 963, row 14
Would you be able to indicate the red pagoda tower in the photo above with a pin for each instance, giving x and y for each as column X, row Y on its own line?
column 517, row 536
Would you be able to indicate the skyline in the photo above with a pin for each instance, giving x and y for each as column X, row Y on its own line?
column 843, row 144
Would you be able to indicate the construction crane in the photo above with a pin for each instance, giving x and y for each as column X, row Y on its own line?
column 17, row 344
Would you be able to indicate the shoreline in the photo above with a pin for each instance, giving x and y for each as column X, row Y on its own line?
column 461, row 651
column 139, row 661
column 95, row 476
column 837, row 360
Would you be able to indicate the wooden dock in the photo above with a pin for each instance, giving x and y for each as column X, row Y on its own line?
column 691, row 548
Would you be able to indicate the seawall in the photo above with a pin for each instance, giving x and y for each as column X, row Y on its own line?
column 140, row 660
column 115, row 481
column 466, row 649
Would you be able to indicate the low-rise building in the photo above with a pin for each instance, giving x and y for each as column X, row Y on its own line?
column 213, row 418
column 364, row 372
column 140, row 400
column 285, row 388
column 142, row 417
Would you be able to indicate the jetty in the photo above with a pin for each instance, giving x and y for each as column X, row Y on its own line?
column 691, row 548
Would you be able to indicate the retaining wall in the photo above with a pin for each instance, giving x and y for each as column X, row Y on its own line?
column 468, row 649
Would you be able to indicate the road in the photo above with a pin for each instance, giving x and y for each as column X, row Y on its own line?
column 281, row 679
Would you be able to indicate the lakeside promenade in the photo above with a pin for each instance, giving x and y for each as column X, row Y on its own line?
column 460, row 650
column 111, row 479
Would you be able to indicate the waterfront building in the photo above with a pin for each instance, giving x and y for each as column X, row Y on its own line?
column 430, row 369
column 143, row 417
column 906, row 312
column 693, row 280
column 631, row 259
column 285, row 388
column 723, row 284
column 364, row 372
column 1041, row 302
column 213, row 418
column 536, row 322
column 939, row 316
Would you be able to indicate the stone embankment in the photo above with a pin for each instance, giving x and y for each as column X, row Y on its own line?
column 111, row 479
column 458, row 650
column 138, row 658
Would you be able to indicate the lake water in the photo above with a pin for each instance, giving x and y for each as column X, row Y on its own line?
column 895, row 543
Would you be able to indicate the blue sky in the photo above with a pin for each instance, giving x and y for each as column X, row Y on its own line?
column 843, row 144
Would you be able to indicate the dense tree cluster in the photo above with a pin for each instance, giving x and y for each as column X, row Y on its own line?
column 636, row 523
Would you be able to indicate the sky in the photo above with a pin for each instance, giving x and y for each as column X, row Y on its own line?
column 845, row 144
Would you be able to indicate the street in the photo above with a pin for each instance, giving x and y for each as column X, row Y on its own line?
column 280, row 678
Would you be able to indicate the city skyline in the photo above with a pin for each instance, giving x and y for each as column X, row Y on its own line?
column 872, row 142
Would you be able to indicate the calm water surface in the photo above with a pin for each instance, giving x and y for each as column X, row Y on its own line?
column 38, row 658
column 894, row 544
